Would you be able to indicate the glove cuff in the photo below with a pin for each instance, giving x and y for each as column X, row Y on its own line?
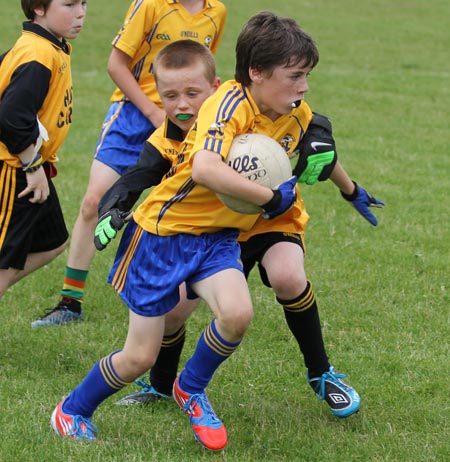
column 351, row 197
column 273, row 203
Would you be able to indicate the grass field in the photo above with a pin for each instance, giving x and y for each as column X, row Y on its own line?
column 383, row 293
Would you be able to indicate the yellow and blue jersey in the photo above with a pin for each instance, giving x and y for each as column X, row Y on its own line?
column 179, row 205
column 150, row 25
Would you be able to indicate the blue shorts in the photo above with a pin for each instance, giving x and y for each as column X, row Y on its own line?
column 149, row 269
column 124, row 132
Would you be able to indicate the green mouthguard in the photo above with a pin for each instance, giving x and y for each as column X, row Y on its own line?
column 184, row 116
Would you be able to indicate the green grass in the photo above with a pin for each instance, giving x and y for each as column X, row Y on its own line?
column 383, row 292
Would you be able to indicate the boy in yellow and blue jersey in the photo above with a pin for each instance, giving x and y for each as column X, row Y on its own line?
column 135, row 112
column 182, row 232
column 36, row 106
column 277, row 248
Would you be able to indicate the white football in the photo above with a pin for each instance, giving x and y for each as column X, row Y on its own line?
column 258, row 158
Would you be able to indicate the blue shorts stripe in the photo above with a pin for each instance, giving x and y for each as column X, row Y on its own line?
column 121, row 274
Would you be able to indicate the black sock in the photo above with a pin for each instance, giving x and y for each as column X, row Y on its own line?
column 302, row 317
column 164, row 371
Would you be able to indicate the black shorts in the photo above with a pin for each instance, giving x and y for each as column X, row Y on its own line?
column 253, row 250
column 25, row 227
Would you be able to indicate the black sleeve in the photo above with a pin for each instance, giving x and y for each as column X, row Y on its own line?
column 20, row 104
column 149, row 171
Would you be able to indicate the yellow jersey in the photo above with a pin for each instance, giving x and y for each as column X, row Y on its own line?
column 150, row 25
column 42, row 88
column 179, row 205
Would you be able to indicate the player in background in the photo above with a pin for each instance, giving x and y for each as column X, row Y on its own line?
column 135, row 112
column 36, row 107
column 183, row 233
column 275, row 246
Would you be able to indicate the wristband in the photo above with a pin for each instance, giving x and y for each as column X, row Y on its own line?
column 33, row 169
column 33, row 165
column 273, row 203
column 351, row 197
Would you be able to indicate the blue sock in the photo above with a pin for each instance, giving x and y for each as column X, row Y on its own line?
column 212, row 350
column 101, row 382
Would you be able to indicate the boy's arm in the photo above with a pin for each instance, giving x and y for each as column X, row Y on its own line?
column 115, row 205
column 120, row 73
column 355, row 194
column 210, row 171
column 19, row 129
column 20, row 103
column 148, row 171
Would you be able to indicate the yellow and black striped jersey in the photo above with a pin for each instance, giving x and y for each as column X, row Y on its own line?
column 35, row 80
column 150, row 25
column 178, row 205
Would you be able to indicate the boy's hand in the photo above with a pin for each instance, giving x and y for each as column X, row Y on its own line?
column 283, row 199
column 362, row 200
column 317, row 152
column 107, row 227
column 37, row 184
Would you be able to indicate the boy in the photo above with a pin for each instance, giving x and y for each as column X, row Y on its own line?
column 134, row 114
column 277, row 247
column 181, row 232
column 35, row 116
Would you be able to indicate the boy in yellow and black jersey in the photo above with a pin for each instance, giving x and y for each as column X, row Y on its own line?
column 35, row 115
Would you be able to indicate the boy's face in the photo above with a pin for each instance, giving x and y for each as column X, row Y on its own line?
column 63, row 18
column 183, row 91
column 276, row 93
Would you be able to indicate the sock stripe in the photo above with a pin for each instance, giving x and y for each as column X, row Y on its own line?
column 170, row 341
column 73, row 284
column 216, row 344
column 302, row 303
column 109, row 374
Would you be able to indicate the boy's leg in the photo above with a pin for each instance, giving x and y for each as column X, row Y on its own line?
column 124, row 132
column 283, row 263
column 233, row 313
column 81, row 250
column 164, row 372
column 33, row 234
column 72, row 416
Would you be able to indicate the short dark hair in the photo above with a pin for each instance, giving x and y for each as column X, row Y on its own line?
column 28, row 7
column 267, row 41
column 182, row 53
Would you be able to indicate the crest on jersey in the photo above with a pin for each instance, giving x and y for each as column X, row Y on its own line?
column 287, row 141
column 216, row 129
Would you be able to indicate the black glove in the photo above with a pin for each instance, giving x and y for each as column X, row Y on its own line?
column 107, row 227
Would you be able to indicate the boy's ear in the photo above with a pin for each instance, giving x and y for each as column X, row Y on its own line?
column 255, row 75
column 39, row 11
column 216, row 83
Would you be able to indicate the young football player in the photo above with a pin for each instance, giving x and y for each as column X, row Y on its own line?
column 277, row 248
column 182, row 232
column 135, row 112
column 194, row 239
column 36, row 106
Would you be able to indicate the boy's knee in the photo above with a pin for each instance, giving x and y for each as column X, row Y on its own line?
column 237, row 322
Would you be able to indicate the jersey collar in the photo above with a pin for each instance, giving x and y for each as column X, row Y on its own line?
column 34, row 28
